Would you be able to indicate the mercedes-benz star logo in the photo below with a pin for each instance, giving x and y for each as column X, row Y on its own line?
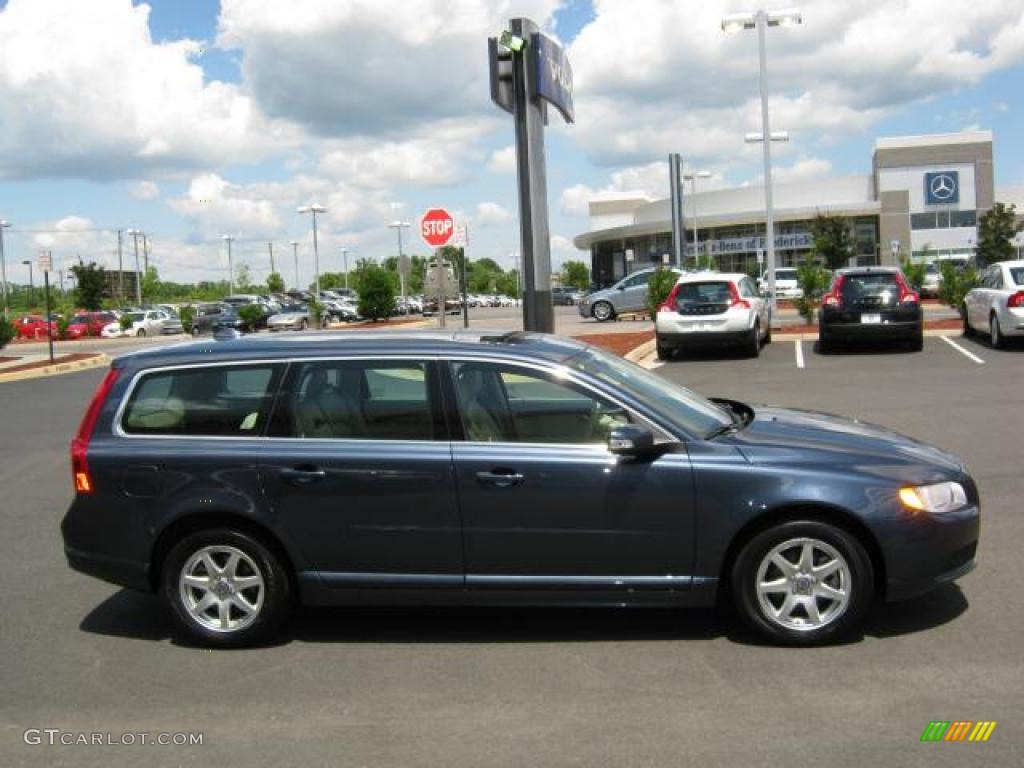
column 943, row 186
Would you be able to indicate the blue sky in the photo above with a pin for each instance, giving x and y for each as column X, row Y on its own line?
column 206, row 119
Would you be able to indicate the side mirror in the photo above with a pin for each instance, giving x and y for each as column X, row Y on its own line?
column 631, row 440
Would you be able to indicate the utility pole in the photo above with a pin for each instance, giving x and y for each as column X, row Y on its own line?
column 120, row 271
column 344, row 264
column 145, row 253
column 675, row 165
column 270, row 247
column 231, row 266
column 314, row 209
column 295, row 253
column 3, row 268
column 138, row 275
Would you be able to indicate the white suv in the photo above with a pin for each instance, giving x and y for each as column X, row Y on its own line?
column 711, row 308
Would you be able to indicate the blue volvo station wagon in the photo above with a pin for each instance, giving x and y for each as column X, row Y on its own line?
column 238, row 478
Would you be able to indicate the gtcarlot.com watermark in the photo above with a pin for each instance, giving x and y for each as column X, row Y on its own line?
column 57, row 737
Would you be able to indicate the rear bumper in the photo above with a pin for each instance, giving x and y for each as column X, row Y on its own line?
column 702, row 338
column 884, row 330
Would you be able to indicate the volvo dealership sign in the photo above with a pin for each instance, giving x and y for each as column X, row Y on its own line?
column 942, row 188
column 554, row 75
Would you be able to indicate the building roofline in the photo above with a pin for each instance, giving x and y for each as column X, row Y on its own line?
column 934, row 140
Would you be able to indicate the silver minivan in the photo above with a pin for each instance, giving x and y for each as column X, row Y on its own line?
column 627, row 295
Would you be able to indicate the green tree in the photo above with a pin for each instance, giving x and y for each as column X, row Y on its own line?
column 915, row 270
column 832, row 240
column 576, row 274
column 275, row 283
column 376, row 291
column 7, row 332
column 507, row 283
column 996, row 230
column 91, row 284
column 150, row 284
column 955, row 284
column 250, row 315
column 188, row 316
column 659, row 287
column 243, row 279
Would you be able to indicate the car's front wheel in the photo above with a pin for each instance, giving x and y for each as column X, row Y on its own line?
column 802, row 582
column 968, row 328
column 603, row 311
column 142, row 332
column 225, row 588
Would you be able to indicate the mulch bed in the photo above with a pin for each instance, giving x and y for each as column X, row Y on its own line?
column 619, row 343
column 948, row 324
column 7, row 359
column 57, row 360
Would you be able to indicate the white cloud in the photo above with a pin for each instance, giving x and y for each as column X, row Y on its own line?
column 503, row 160
column 86, row 92
column 491, row 213
column 677, row 83
column 650, row 181
column 144, row 190
column 805, row 169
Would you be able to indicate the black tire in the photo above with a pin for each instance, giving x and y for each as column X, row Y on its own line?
column 303, row 325
column 968, row 328
column 768, row 333
column 857, row 581
column 825, row 344
column 753, row 342
column 662, row 351
column 605, row 313
column 276, row 589
column 996, row 332
column 141, row 332
column 916, row 343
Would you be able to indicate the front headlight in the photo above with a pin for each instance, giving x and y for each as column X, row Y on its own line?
column 937, row 498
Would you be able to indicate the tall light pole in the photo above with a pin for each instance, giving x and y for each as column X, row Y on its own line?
column 314, row 209
column 31, row 283
column 761, row 20
column 344, row 264
column 231, row 267
column 3, row 267
column 138, row 276
column 692, row 178
column 295, row 253
column 398, row 225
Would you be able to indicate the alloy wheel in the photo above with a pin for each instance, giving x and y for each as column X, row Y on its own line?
column 221, row 588
column 803, row 584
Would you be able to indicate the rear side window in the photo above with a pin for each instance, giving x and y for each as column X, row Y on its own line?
column 358, row 400
column 1017, row 273
column 218, row 401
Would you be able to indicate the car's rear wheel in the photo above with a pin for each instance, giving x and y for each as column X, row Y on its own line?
column 916, row 343
column 142, row 332
column 303, row 325
column 753, row 343
column 825, row 342
column 996, row 332
column 802, row 582
column 662, row 351
column 225, row 588
column 968, row 328
column 603, row 311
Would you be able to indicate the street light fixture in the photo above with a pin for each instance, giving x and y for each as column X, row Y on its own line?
column 761, row 20
column 692, row 178
column 344, row 262
column 138, row 276
column 3, row 267
column 231, row 267
column 313, row 209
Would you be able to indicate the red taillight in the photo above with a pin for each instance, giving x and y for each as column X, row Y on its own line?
column 736, row 300
column 669, row 305
column 832, row 298
column 907, row 296
column 80, row 442
column 1016, row 301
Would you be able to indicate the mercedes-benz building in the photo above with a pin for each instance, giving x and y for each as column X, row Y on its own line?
column 923, row 197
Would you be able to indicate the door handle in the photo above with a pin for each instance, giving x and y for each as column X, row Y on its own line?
column 501, row 478
column 302, row 475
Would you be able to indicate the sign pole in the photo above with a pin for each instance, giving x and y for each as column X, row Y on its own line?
column 442, row 290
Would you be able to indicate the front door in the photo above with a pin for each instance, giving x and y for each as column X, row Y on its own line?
column 546, row 505
column 359, row 471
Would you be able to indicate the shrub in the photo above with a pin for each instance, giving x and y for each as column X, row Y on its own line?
column 914, row 272
column 659, row 287
column 63, row 321
column 188, row 316
column 376, row 293
column 7, row 332
column 250, row 315
column 813, row 280
column 125, row 322
column 955, row 284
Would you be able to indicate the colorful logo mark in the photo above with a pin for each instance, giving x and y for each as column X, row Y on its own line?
column 958, row 730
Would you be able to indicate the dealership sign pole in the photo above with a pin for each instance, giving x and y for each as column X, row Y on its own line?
column 46, row 265
column 529, row 71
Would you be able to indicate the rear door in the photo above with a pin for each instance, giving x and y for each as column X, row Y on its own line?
column 358, row 469
column 634, row 296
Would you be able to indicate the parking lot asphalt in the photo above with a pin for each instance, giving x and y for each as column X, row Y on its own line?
column 544, row 687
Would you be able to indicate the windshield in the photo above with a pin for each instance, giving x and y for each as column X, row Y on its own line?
column 692, row 412
column 785, row 274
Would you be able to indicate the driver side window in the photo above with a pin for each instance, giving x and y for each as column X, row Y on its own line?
column 500, row 403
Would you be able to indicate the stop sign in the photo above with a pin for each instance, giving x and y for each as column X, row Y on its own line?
column 437, row 227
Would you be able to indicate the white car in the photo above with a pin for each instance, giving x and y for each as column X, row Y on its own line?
column 787, row 286
column 996, row 305
column 147, row 323
column 713, row 308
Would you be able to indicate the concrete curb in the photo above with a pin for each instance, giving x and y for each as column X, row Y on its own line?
column 96, row 361
column 636, row 354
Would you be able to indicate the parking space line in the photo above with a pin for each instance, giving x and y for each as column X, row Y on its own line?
column 799, row 353
column 961, row 350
